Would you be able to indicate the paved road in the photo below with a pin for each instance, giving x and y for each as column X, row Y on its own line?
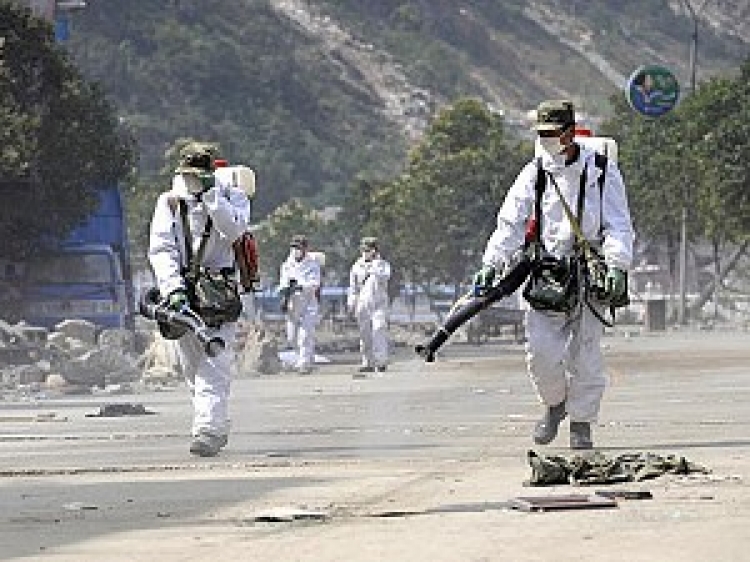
column 440, row 439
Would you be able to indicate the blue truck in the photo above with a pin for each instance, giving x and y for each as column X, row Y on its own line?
column 88, row 275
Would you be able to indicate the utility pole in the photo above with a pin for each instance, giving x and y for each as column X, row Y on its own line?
column 682, row 311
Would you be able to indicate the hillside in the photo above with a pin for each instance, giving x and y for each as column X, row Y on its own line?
column 313, row 92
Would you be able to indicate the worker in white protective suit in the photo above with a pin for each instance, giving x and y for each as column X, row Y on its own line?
column 367, row 300
column 563, row 352
column 299, row 287
column 197, row 198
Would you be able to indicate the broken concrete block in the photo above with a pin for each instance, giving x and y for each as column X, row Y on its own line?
column 99, row 367
column 81, row 330
column 117, row 338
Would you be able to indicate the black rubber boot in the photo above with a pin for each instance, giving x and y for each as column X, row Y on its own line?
column 207, row 444
column 580, row 435
column 546, row 428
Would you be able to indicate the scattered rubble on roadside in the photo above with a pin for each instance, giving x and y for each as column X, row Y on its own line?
column 77, row 357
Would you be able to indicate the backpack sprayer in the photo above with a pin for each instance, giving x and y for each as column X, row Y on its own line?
column 175, row 323
column 245, row 248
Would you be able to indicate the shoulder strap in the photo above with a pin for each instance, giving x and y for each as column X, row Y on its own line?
column 539, row 186
column 600, row 161
column 204, row 240
column 581, row 196
column 193, row 262
column 186, row 232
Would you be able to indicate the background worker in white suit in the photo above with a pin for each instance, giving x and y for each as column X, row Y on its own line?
column 300, row 288
column 367, row 300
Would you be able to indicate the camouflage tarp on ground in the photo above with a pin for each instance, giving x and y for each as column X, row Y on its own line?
column 595, row 468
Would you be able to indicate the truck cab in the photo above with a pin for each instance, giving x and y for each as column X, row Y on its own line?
column 87, row 275
column 83, row 282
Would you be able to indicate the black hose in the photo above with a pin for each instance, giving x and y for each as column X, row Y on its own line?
column 464, row 311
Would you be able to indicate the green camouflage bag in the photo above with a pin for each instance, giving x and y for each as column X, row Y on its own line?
column 215, row 297
column 553, row 284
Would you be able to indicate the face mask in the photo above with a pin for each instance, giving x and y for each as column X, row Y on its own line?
column 193, row 184
column 551, row 145
column 550, row 149
column 297, row 253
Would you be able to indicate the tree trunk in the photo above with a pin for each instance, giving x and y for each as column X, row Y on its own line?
column 717, row 273
column 709, row 291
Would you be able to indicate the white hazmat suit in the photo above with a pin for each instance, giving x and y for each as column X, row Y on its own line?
column 303, row 307
column 367, row 298
column 563, row 351
column 229, row 209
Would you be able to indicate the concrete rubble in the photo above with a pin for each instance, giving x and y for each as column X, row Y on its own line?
column 76, row 354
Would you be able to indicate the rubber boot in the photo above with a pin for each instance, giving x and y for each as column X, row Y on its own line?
column 546, row 428
column 580, row 435
column 207, row 444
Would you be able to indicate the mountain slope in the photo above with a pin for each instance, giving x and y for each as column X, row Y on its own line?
column 313, row 92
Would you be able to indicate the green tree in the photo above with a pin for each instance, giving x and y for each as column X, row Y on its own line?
column 693, row 158
column 442, row 209
column 60, row 137
column 718, row 133
column 717, row 130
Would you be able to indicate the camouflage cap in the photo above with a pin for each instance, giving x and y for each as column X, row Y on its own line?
column 553, row 115
column 197, row 158
column 299, row 241
column 369, row 243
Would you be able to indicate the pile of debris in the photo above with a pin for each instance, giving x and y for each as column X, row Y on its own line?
column 76, row 354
